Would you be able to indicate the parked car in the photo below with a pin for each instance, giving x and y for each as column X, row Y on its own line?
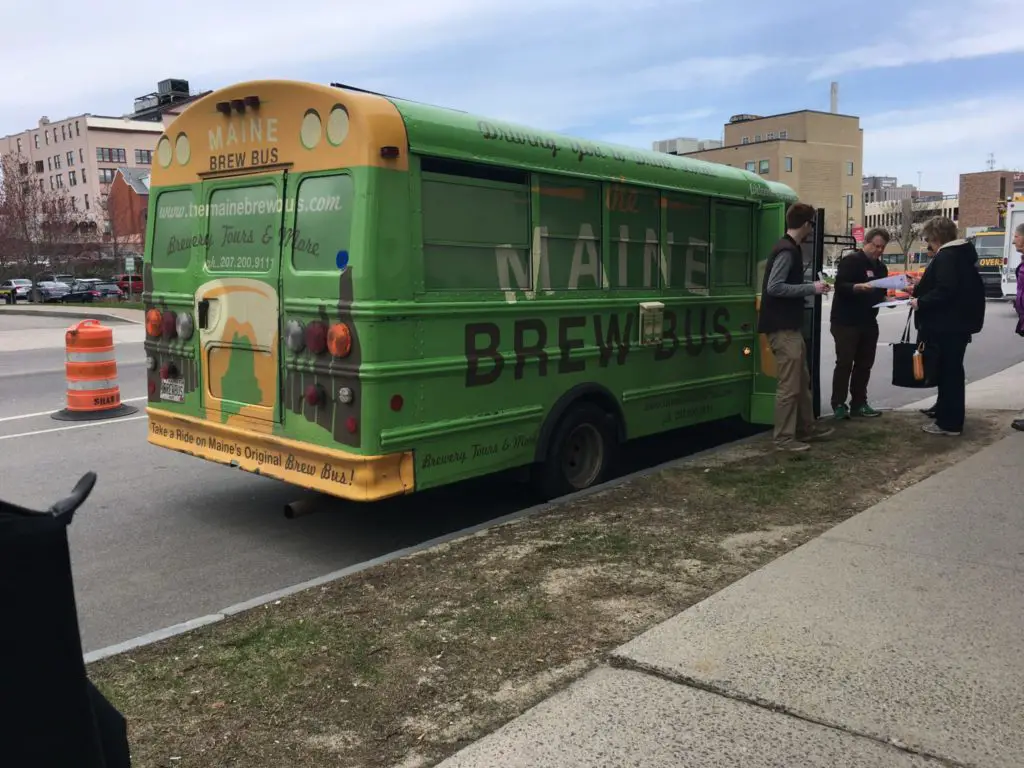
column 49, row 277
column 48, row 291
column 17, row 287
column 92, row 289
column 129, row 284
column 108, row 291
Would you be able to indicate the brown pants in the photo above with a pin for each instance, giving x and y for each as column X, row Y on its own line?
column 794, row 411
column 855, row 354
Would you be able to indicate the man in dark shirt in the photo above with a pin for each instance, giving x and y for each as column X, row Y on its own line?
column 855, row 325
column 781, row 317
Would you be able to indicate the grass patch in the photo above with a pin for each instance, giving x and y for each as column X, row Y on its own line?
column 409, row 661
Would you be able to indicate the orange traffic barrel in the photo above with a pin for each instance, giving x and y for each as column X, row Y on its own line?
column 91, row 372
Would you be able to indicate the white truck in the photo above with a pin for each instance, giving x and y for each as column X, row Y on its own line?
column 1011, row 259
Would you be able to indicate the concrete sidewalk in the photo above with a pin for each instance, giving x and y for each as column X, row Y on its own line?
column 894, row 639
column 1003, row 391
column 102, row 312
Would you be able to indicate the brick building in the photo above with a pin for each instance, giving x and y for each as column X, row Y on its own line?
column 126, row 208
column 980, row 196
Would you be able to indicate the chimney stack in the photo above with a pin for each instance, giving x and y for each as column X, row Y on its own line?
column 834, row 107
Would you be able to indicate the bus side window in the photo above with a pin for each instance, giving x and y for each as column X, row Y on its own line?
column 570, row 222
column 476, row 228
column 733, row 261
column 634, row 224
column 688, row 241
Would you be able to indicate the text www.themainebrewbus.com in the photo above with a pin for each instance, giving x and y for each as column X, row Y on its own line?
column 314, row 204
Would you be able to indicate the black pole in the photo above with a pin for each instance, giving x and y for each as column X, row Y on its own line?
column 814, row 332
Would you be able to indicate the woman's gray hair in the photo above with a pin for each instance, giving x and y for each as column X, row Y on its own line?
column 1019, row 230
column 940, row 229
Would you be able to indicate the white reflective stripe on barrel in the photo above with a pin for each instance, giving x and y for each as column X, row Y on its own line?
column 87, row 386
column 91, row 357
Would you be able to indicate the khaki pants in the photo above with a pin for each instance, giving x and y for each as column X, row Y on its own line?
column 794, row 412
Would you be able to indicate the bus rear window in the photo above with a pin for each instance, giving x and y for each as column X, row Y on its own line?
column 177, row 228
column 244, row 228
column 323, row 223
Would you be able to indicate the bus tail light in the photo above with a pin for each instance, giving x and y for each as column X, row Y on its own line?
column 351, row 425
column 315, row 395
column 168, row 325
column 154, row 323
column 339, row 340
column 295, row 336
column 316, row 337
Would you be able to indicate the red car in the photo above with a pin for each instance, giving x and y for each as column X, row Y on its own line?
column 130, row 285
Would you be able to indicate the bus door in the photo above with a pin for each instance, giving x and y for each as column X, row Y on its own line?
column 237, row 302
column 771, row 224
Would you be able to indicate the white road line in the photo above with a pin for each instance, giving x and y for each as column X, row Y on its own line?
column 47, row 413
column 121, row 420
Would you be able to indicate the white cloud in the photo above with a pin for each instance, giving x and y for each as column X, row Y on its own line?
column 971, row 29
column 84, row 56
column 945, row 141
column 580, row 96
column 677, row 118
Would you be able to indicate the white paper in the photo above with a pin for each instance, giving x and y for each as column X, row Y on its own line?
column 894, row 303
column 892, row 281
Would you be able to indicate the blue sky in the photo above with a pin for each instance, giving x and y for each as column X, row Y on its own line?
column 936, row 83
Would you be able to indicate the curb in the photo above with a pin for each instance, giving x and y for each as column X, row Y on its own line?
column 187, row 626
column 71, row 314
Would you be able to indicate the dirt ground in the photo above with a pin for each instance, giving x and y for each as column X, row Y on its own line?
column 404, row 664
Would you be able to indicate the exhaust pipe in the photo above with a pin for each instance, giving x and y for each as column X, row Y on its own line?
column 299, row 508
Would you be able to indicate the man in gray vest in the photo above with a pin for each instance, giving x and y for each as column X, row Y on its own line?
column 783, row 293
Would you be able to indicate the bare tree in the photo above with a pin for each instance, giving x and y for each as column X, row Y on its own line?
column 902, row 223
column 35, row 222
column 19, row 208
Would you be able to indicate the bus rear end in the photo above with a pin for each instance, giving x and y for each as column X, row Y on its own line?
column 255, row 243
column 989, row 244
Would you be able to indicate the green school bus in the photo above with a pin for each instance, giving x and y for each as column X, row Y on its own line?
column 366, row 296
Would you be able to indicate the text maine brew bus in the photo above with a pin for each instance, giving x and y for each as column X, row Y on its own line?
column 367, row 297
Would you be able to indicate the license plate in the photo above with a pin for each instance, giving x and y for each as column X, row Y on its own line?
column 173, row 390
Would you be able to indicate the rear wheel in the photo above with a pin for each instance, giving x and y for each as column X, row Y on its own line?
column 580, row 454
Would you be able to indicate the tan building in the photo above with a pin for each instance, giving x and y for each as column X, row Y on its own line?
column 79, row 156
column 818, row 154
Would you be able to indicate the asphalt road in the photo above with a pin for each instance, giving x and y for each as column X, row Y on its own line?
column 165, row 538
column 996, row 348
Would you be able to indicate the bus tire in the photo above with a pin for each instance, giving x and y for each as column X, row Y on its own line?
column 581, row 452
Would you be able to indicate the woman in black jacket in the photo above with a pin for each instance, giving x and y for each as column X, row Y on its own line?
column 950, row 304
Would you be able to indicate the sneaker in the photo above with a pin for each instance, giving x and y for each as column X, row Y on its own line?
column 1018, row 424
column 866, row 411
column 816, row 433
column 929, row 412
column 841, row 412
column 793, row 446
column 935, row 429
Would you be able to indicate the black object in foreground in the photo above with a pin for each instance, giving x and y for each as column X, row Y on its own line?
column 53, row 715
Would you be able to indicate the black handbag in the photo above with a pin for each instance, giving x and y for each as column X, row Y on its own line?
column 913, row 364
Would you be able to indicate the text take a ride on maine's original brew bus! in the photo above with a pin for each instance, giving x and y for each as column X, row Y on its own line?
column 367, row 297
